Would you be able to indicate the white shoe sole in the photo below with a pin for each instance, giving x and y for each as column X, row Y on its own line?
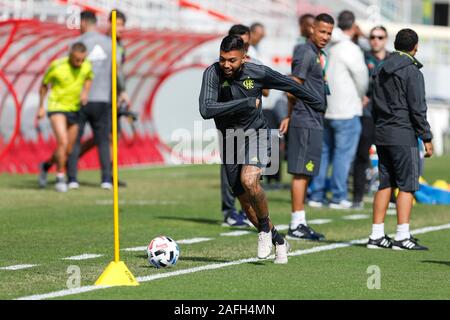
column 281, row 261
column 62, row 190
column 285, row 260
column 265, row 256
column 315, row 205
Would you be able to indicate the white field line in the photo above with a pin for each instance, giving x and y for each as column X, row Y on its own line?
column 63, row 293
column 143, row 248
column 18, row 267
column 356, row 217
column 235, row 233
column 282, row 227
column 84, row 256
column 194, row 240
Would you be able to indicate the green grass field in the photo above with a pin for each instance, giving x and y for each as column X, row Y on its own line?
column 41, row 227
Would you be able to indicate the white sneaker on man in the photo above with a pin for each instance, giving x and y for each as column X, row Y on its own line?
column 281, row 253
column 61, row 186
column 264, row 244
column 106, row 186
column 315, row 204
column 73, row 185
column 342, row 205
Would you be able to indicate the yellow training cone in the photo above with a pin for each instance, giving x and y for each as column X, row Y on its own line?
column 116, row 274
column 440, row 184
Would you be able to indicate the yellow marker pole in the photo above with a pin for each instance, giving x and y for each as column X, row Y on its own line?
column 114, row 137
column 117, row 273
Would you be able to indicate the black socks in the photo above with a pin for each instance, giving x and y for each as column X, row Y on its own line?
column 263, row 224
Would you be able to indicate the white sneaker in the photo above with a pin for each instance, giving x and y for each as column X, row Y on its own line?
column 315, row 204
column 61, row 186
column 281, row 253
column 343, row 205
column 264, row 244
column 106, row 185
column 73, row 185
column 42, row 175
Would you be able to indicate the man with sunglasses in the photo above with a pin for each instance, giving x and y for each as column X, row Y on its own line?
column 374, row 57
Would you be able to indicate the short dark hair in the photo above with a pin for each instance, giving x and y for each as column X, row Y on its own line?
column 232, row 42
column 119, row 15
column 324, row 17
column 78, row 47
column 88, row 16
column 304, row 17
column 238, row 30
column 256, row 25
column 382, row 28
column 346, row 19
column 406, row 40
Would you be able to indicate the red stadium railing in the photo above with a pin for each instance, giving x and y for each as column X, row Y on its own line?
column 26, row 49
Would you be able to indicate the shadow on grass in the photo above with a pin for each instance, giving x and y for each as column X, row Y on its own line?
column 32, row 184
column 204, row 259
column 445, row 263
column 196, row 220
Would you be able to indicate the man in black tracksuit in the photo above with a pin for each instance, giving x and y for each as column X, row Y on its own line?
column 231, row 95
column 399, row 111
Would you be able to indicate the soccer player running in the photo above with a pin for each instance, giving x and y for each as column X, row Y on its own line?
column 304, row 123
column 70, row 79
column 231, row 95
column 400, row 115
column 231, row 216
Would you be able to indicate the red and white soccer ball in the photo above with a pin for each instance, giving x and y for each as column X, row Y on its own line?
column 163, row 252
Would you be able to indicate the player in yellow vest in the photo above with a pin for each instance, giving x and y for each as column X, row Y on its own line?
column 70, row 79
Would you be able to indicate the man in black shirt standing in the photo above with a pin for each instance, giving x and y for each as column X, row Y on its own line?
column 231, row 95
column 400, row 115
column 305, row 123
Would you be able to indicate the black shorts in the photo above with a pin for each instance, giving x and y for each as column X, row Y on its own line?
column 304, row 151
column 72, row 117
column 254, row 152
column 398, row 167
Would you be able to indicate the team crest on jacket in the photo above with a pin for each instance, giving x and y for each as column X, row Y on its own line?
column 310, row 166
column 249, row 84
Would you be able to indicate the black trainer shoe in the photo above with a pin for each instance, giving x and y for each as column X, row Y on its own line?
column 303, row 232
column 407, row 244
column 383, row 242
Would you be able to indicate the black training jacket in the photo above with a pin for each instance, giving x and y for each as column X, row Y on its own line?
column 240, row 111
column 399, row 106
